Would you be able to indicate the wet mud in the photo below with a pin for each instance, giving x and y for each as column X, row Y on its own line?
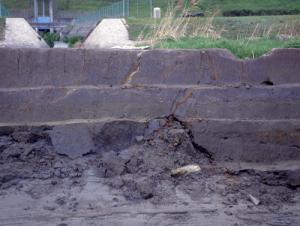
column 126, row 179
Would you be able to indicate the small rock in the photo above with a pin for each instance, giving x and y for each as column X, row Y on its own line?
column 117, row 183
column 50, row 208
column 175, row 132
column 21, row 137
column 185, row 170
column 154, row 125
column 63, row 224
column 60, row 201
column 57, row 165
column 254, row 200
column 145, row 190
column 139, row 139
column 229, row 213
column 91, row 207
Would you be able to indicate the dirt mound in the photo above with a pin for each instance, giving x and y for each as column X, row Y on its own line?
column 27, row 154
column 138, row 165
column 133, row 164
column 143, row 171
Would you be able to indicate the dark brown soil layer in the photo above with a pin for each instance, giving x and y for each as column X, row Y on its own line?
column 137, row 170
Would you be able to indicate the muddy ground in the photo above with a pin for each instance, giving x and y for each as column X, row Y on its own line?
column 126, row 180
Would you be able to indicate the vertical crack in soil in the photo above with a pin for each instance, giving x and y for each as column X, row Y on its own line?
column 197, row 147
column 179, row 102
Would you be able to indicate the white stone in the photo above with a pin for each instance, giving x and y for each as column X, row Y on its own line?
column 185, row 170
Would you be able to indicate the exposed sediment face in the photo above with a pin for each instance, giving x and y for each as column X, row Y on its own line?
column 138, row 163
column 239, row 110
column 87, row 130
column 58, row 181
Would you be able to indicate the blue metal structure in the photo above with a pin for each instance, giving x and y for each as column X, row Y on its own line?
column 45, row 20
column 3, row 11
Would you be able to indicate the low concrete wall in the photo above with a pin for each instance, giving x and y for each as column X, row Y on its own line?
column 237, row 110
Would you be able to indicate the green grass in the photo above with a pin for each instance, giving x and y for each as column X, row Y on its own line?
column 50, row 38
column 241, row 48
column 83, row 5
column 73, row 40
column 16, row 4
column 245, row 37
column 254, row 5
column 2, row 28
column 234, row 27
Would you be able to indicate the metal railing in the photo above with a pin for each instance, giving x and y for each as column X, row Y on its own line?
column 118, row 9
column 123, row 8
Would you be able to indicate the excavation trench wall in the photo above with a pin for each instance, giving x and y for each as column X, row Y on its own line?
column 237, row 110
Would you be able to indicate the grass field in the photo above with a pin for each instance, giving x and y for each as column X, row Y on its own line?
column 246, row 37
column 242, row 48
column 232, row 27
column 253, row 5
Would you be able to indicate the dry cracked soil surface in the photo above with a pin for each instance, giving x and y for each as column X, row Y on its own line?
column 127, row 180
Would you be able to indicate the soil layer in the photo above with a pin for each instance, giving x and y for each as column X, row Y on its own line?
column 126, row 179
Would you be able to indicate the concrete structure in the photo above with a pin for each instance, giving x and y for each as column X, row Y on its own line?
column 19, row 34
column 61, row 45
column 109, row 33
column 242, row 110
column 156, row 13
column 44, row 5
